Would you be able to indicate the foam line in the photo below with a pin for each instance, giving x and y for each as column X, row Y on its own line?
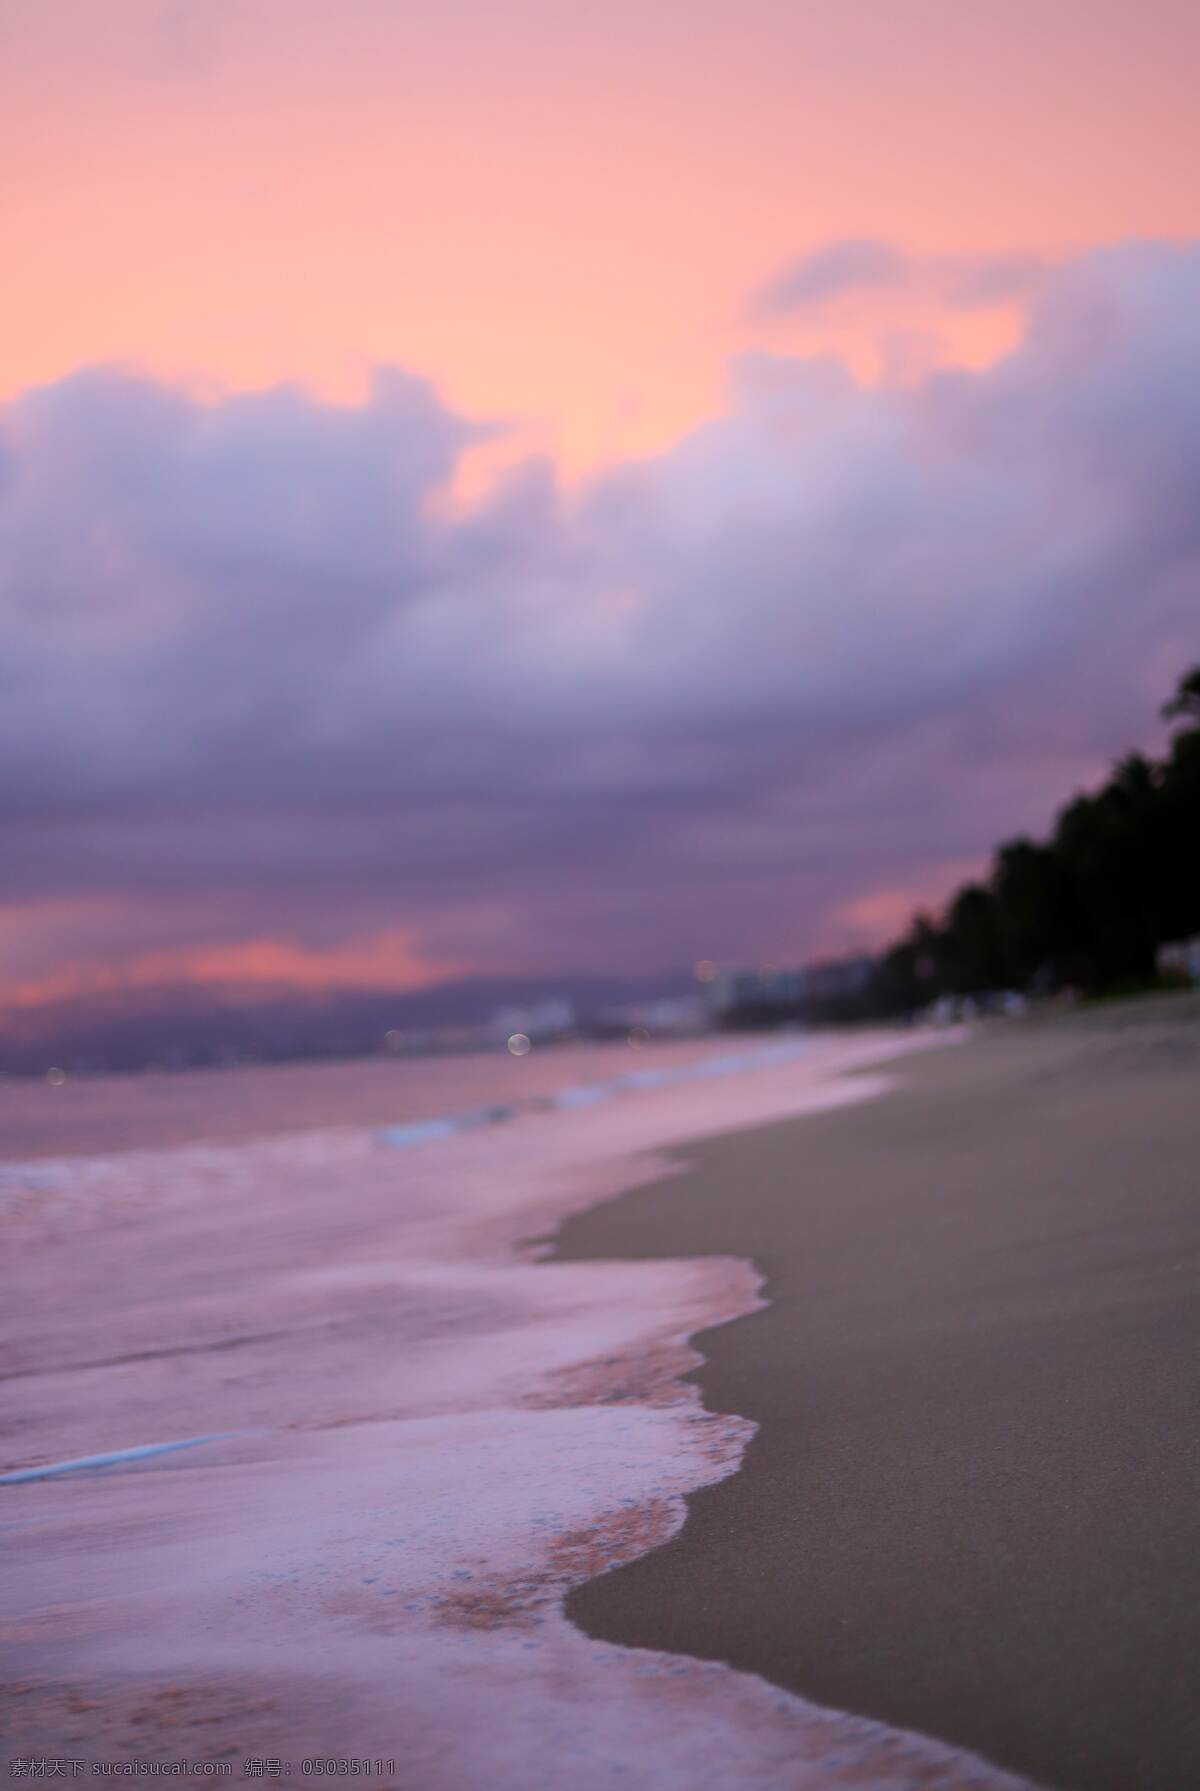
column 422, row 1131
column 590, row 1094
column 584, row 1094
column 110, row 1459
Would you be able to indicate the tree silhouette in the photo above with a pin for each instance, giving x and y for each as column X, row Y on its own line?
column 1186, row 701
column 1087, row 908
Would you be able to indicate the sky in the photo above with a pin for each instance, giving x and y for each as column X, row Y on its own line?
column 557, row 488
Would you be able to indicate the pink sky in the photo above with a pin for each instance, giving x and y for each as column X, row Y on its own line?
column 553, row 210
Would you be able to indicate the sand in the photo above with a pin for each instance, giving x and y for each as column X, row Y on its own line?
column 972, row 1506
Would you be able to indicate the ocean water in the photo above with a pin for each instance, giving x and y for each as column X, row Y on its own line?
column 395, row 1437
column 97, row 1114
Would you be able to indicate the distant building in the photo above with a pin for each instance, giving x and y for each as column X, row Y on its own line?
column 732, row 993
column 1180, row 958
column 667, row 1016
column 842, row 979
column 769, row 996
column 540, row 1020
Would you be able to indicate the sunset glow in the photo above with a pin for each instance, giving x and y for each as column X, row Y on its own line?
column 620, row 620
column 554, row 212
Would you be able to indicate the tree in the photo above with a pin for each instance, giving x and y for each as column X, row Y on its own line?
column 1033, row 909
column 1185, row 704
column 1090, row 906
column 971, row 942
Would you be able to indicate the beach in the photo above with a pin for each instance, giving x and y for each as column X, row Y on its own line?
column 599, row 956
column 785, row 1412
column 971, row 1504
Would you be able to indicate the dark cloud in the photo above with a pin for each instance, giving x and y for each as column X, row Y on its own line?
column 260, row 679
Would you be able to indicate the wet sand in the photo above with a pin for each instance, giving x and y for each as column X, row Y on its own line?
column 972, row 1507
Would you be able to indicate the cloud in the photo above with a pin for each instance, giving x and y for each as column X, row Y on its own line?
column 981, row 280
column 865, row 264
column 259, row 683
column 847, row 265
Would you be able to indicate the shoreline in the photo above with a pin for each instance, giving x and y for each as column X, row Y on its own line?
column 969, row 1507
column 410, row 1433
